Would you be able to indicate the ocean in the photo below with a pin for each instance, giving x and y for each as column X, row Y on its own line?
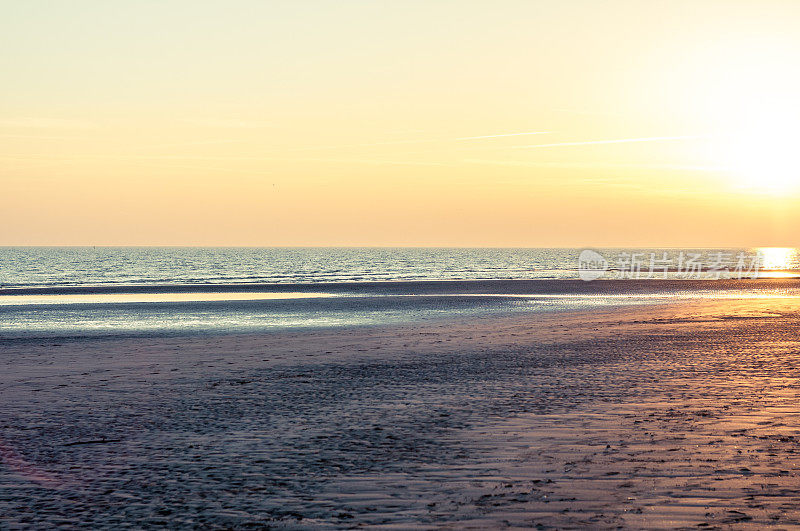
column 110, row 291
column 50, row 266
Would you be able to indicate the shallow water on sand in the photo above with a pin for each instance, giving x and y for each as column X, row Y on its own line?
column 92, row 311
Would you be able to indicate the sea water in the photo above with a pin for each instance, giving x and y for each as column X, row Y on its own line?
column 88, row 291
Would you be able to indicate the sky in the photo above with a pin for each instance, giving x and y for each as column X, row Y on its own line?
column 417, row 123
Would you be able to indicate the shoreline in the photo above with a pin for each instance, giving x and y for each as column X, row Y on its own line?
column 199, row 311
column 426, row 287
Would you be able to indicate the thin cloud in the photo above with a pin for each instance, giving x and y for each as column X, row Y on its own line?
column 598, row 165
column 233, row 124
column 189, row 144
column 587, row 112
column 424, row 141
column 502, row 135
column 615, row 141
column 42, row 137
column 45, row 123
column 382, row 162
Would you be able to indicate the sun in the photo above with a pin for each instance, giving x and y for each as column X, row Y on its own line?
column 743, row 95
column 763, row 154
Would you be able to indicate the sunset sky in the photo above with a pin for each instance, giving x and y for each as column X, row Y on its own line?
column 452, row 123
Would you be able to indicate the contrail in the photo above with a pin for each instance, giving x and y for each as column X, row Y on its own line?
column 506, row 134
column 420, row 141
column 617, row 141
column 424, row 141
column 590, row 165
column 44, row 137
column 188, row 144
column 587, row 112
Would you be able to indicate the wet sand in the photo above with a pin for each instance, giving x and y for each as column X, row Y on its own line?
column 680, row 415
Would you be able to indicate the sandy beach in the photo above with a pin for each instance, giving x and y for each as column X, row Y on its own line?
column 659, row 416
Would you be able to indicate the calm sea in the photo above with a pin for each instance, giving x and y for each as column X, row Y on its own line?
column 41, row 266
column 71, row 266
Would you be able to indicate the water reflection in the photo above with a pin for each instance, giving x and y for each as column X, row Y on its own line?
column 779, row 262
column 110, row 298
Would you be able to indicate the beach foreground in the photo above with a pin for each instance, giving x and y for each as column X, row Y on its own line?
column 670, row 415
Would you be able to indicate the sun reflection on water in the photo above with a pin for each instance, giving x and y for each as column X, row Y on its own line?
column 779, row 262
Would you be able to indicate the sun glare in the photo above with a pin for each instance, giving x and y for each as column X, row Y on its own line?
column 760, row 153
column 778, row 258
column 748, row 95
column 764, row 157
